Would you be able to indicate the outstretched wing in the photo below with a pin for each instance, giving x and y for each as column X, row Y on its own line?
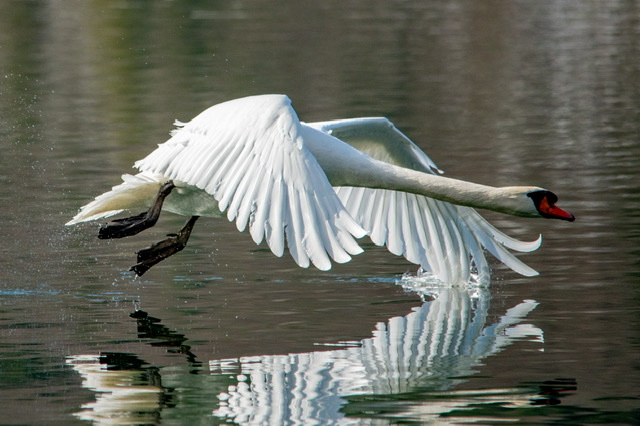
column 445, row 239
column 249, row 155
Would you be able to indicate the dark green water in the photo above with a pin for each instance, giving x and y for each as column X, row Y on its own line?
column 500, row 93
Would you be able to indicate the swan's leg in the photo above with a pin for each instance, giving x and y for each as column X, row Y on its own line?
column 128, row 226
column 163, row 249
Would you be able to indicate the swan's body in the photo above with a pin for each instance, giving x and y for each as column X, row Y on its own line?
column 316, row 187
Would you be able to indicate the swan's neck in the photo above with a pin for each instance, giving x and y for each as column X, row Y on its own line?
column 506, row 200
column 346, row 166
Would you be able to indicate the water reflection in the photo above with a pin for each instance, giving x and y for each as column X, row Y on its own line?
column 150, row 328
column 434, row 348
column 128, row 391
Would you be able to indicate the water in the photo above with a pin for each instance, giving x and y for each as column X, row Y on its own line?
column 542, row 93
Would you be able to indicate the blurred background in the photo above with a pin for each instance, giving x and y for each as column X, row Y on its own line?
column 500, row 93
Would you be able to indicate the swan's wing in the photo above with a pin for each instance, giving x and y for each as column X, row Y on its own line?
column 249, row 155
column 380, row 139
column 445, row 239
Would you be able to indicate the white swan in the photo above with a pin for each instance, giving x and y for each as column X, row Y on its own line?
column 315, row 187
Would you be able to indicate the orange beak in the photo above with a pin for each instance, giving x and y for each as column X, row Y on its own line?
column 548, row 209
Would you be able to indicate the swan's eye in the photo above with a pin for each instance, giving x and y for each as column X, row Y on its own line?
column 538, row 196
column 551, row 197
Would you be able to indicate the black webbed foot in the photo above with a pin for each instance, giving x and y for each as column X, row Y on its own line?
column 163, row 249
column 120, row 228
column 125, row 227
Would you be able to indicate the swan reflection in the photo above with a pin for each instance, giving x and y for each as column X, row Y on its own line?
column 128, row 391
column 432, row 349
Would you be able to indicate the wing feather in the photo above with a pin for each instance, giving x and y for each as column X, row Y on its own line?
column 249, row 155
column 296, row 236
column 421, row 234
column 409, row 228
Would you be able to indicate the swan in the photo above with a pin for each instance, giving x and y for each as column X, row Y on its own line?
column 315, row 188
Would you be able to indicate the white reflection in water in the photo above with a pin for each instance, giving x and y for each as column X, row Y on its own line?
column 443, row 339
column 124, row 396
column 434, row 348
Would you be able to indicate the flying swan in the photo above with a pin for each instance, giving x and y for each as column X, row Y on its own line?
column 315, row 188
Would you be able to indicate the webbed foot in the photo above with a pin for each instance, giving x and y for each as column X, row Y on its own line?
column 120, row 228
column 163, row 249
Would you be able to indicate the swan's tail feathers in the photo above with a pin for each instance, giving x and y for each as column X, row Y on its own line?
column 137, row 191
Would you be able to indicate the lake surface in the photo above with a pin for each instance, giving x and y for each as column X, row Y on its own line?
column 500, row 93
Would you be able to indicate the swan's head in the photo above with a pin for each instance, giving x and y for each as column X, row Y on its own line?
column 545, row 201
column 532, row 202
